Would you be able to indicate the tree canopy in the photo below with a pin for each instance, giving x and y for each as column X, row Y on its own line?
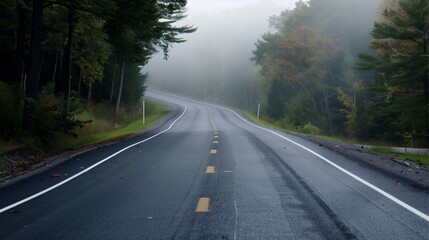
column 312, row 69
column 401, row 65
column 70, row 49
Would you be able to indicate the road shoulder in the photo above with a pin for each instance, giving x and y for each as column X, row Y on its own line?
column 21, row 159
column 402, row 171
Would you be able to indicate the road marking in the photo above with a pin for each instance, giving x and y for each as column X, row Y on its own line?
column 213, row 151
column 382, row 192
column 203, row 205
column 227, row 171
column 216, row 136
column 210, row 169
column 91, row 167
column 377, row 189
column 216, row 133
column 215, row 142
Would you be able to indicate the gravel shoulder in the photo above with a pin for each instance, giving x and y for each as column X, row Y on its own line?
column 403, row 171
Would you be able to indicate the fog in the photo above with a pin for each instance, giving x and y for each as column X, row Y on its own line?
column 214, row 64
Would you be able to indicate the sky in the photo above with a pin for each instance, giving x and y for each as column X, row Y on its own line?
column 222, row 45
column 213, row 6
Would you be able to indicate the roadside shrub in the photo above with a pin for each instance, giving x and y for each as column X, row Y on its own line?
column 309, row 128
column 55, row 117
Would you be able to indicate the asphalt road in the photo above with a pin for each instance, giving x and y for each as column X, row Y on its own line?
column 207, row 173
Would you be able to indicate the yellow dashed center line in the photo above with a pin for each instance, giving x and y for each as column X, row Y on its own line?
column 210, row 169
column 203, row 205
column 213, row 151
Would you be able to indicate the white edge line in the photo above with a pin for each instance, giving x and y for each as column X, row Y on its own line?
column 382, row 192
column 89, row 168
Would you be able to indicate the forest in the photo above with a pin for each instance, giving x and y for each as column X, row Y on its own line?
column 321, row 71
column 59, row 58
column 356, row 69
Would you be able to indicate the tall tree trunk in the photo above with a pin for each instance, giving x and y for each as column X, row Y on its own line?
column 80, row 81
column 59, row 84
column 19, row 67
column 328, row 110
column 121, row 83
column 113, row 80
column 89, row 96
column 314, row 103
column 55, row 66
column 34, row 66
column 68, row 55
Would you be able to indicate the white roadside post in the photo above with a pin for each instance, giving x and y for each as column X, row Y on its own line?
column 259, row 108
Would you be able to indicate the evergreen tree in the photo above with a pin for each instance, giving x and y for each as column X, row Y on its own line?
column 48, row 43
column 137, row 28
column 401, row 41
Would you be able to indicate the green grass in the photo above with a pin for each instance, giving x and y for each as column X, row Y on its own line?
column 420, row 159
column 103, row 128
column 265, row 123
column 6, row 146
column 294, row 130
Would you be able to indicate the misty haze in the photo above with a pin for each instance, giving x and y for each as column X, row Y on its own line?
column 204, row 119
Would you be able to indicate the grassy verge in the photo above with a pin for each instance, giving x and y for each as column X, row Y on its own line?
column 103, row 128
column 6, row 146
column 92, row 134
column 266, row 124
column 294, row 130
column 420, row 159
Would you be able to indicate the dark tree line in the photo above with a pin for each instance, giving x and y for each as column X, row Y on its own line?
column 314, row 75
column 78, row 49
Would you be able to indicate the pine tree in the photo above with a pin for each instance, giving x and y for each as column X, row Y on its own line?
column 401, row 41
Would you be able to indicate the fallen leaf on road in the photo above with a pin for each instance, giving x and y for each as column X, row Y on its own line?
column 56, row 175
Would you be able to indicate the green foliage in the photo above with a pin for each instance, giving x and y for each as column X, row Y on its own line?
column 420, row 159
column 134, row 86
column 136, row 28
column 401, row 64
column 309, row 73
column 276, row 99
column 131, row 30
column 11, row 97
column 54, row 117
column 93, row 49
column 298, row 63
column 104, row 128
column 309, row 128
column 297, row 112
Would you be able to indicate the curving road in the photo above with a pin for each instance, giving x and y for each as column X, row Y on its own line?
column 207, row 173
